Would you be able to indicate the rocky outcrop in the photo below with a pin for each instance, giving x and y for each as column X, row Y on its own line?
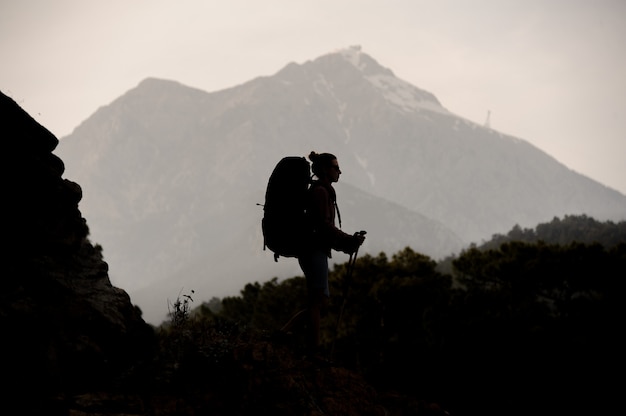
column 65, row 328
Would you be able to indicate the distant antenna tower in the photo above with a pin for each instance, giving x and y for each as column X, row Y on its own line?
column 488, row 121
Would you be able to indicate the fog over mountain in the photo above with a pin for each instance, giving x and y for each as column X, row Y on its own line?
column 171, row 175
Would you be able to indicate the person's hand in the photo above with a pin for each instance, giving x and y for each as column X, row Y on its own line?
column 360, row 237
column 351, row 244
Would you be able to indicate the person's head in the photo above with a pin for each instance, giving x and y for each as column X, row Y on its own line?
column 325, row 166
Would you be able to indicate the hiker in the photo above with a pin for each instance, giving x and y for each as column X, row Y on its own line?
column 321, row 209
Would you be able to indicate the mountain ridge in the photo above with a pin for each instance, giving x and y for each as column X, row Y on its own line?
column 170, row 171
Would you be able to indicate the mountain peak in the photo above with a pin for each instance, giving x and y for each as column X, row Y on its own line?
column 359, row 59
column 353, row 53
column 403, row 95
column 347, row 65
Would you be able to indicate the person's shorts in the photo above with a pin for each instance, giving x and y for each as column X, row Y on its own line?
column 314, row 265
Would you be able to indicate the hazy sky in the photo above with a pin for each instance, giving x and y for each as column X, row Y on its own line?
column 552, row 72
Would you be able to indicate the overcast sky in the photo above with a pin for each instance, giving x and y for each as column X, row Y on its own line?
column 552, row 72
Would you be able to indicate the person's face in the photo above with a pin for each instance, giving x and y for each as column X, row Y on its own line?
column 333, row 171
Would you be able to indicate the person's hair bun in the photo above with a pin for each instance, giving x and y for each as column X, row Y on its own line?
column 320, row 162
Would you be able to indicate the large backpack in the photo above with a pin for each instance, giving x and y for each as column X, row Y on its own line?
column 285, row 226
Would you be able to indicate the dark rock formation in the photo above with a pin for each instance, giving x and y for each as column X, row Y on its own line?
column 65, row 328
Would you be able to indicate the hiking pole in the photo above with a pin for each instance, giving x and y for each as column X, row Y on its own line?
column 346, row 288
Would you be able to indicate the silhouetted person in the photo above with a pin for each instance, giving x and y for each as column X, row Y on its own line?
column 321, row 210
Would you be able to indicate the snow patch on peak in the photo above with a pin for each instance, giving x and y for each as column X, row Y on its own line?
column 352, row 54
column 361, row 61
column 363, row 163
column 404, row 95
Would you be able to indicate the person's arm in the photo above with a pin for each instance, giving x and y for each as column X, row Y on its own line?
column 336, row 238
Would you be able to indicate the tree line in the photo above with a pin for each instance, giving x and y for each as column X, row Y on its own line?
column 515, row 323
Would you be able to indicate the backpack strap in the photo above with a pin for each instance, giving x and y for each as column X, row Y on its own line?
column 338, row 213
column 332, row 194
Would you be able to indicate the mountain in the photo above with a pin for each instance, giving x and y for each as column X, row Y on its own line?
column 172, row 174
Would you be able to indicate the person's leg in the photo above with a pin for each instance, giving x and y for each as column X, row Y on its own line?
column 318, row 303
column 315, row 267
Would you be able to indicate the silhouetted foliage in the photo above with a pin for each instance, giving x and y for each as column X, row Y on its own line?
column 544, row 313
column 263, row 306
column 570, row 229
column 535, row 321
column 526, row 324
